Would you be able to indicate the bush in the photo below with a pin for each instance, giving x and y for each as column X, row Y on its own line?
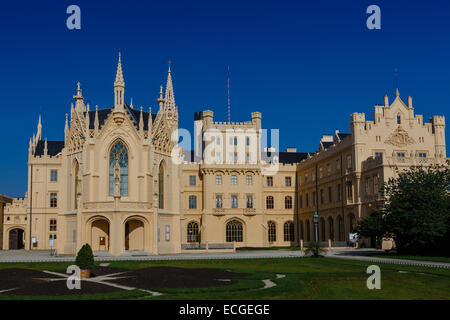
column 85, row 257
column 314, row 249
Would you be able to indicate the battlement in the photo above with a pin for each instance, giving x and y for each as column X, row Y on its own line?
column 358, row 117
column 438, row 120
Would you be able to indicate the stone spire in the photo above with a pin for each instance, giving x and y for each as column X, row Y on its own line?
column 169, row 98
column 39, row 129
column 66, row 128
column 87, row 120
column 150, row 122
column 160, row 99
column 397, row 93
column 79, row 104
column 119, row 87
column 45, row 148
column 96, row 123
column 131, row 103
column 141, row 123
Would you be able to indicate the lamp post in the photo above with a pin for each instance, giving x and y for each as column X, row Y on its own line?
column 316, row 222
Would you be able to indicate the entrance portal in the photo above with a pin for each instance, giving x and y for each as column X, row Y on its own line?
column 134, row 235
column 16, row 239
column 100, row 235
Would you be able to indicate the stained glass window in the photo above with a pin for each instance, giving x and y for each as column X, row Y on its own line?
column 119, row 154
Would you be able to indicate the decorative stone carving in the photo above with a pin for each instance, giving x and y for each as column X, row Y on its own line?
column 400, row 138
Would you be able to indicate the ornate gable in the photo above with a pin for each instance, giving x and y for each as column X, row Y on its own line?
column 77, row 134
column 162, row 135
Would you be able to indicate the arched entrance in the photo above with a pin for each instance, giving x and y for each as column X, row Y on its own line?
column 100, row 235
column 16, row 239
column 134, row 235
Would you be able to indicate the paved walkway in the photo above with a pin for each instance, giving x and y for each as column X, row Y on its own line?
column 349, row 254
column 44, row 256
column 362, row 255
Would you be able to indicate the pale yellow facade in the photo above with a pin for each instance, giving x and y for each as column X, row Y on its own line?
column 119, row 181
column 342, row 181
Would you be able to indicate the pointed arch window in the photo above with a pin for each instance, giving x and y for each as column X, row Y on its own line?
column 119, row 155
column 399, row 119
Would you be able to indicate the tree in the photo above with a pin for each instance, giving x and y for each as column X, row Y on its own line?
column 372, row 226
column 415, row 211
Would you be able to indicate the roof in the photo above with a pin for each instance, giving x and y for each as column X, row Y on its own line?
column 286, row 157
column 53, row 148
column 342, row 136
column 327, row 144
column 283, row 157
column 134, row 113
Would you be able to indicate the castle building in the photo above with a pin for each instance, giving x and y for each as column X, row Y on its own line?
column 121, row 182
column 342, row 181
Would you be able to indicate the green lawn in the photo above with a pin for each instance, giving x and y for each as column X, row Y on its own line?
column 306, row 278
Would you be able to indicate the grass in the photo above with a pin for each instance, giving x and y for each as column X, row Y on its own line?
column 306, row 279
column 410, row 257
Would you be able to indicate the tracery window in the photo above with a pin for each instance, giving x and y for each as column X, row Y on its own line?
column 272, row 231
column 234, row 231
column 118, row 155
column 192, row 232
column 288, row 231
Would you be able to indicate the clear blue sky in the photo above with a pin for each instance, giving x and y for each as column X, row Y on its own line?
column 306, row 65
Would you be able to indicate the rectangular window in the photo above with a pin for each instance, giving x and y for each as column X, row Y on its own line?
column 288, row 181
column 192, row 202
column 400, row 154
column 234, row 201
column 54, row 175
column 300, row 201
column 307, row 200
column 339, row 192
column 233, row 179
column 218, row 201
column 247, row 141
column 230, row 157
column 422, row 155
column 192, row 180
column 306, row 178
column 218, row 140
column 53, row 200
column 167, row 233
column 269, row 202
column 249, row 180
column 314, row 198
column 330, row 194
column 270, row 181
column 321, row 196
column 349, row 190
column 53, row 225
column 235, row 157
column 218, row 157
column 249, row 202
column 218, row 179
column 248, row 157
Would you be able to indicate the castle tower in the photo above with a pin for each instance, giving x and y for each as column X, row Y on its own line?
column 439, row 136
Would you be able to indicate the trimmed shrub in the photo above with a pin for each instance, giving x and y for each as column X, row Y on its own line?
column 85, row 257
